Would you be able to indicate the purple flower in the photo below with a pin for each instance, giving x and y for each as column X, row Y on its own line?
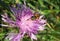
column 24, row 22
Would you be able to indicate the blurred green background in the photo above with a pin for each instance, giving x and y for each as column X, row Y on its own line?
column 49, row 8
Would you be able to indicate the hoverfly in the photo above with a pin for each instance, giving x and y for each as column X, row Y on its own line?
column 36, row 16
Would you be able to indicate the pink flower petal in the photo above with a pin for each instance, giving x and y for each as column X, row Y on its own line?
column 33, row 36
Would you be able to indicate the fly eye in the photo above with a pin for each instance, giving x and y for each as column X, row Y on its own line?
column 33, row 17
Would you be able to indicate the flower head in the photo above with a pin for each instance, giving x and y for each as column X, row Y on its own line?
column 24, row 22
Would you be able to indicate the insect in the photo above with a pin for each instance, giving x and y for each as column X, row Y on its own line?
column 36, row 16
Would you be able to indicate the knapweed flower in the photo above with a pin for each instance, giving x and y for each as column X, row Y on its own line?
column 23, row 20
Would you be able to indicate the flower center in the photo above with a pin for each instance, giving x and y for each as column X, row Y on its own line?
column 26, row 21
